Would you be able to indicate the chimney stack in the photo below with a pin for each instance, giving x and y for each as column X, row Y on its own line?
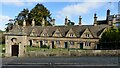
column 66, row 21
column 107, row 15
column 113, row 20
column 80, row 20
column 108, row 12
column 53, row 22
column 95, row 19
column 33, row 23
column 24, row 23
column 43, row 22
column 16, row 23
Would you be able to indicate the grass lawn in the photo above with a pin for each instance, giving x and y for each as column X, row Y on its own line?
column 46, row 49
column 1, row 51
column 33, row 51
column 1, row 47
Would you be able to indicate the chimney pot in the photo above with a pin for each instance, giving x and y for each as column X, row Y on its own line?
column 33, row 23
column 66, row 21
column 80, row 20
column 95, row 19
column 24, row 23
column 43, row 22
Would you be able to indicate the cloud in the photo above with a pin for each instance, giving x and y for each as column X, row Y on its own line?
column 101, row 17
column 80, row 8
column 18, row 2
column 75, row 9
column 29, row 2
column 4, row 20
column 13, row 2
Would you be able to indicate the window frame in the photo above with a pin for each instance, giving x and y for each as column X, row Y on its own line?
column 57, row 42
column 71, row 42
column 71, row 35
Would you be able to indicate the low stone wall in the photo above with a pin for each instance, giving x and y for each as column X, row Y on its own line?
column 75, row 53
column 95, row 53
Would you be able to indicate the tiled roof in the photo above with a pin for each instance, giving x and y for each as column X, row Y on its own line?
column 102, row 22
column 78, row 30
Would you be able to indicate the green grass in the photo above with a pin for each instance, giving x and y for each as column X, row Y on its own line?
column 1, row 47
column 1, row 51
column 46, row 49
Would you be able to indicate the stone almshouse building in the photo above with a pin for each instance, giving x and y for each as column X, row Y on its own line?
column 75, row 36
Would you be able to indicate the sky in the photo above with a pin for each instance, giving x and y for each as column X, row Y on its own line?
column 60, row 9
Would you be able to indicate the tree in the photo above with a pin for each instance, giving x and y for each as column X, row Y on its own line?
column 38, row 13
column 110, row 39
column 9, row 25
column 70, row 23
column 23, row 15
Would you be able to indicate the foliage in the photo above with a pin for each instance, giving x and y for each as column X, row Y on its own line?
column 70, row 23
column 23, row 15
column 45, row 46
column 110, row 39
column 37, row 13
column 2, row 37
column 9, row 26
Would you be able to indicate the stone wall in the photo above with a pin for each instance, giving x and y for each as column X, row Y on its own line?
column 77, row 41
column 20, row 41
column 74, row 53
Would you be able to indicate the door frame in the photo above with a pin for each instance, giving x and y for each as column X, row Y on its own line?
column 66, row 44
column 14, row 50
column 81, row 45
column 41, row 44
column 53, row 44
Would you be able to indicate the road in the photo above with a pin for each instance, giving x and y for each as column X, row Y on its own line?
column 60, row 62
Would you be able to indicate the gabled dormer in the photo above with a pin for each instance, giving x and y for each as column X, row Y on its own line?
column 71, row 33
column 87, row 34
column 33, row 32
column 57, row 33
column 44, row 33
column 101, row 33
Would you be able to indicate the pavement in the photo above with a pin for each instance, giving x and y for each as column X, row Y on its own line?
column 61, row 62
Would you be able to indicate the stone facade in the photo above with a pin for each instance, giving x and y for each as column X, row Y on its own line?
column 19, row 41
column 75, row 36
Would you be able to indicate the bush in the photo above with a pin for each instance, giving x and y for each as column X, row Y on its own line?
column 45, row 46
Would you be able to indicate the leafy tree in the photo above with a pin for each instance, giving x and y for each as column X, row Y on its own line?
column 70, row 23
column 9, row 25
column 38, row 13
column 110, row 39
column 23, row 15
